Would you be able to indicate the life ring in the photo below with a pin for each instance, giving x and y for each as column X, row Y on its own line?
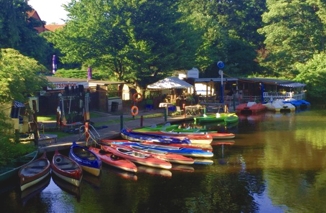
column 137, row 97
column 134, row 110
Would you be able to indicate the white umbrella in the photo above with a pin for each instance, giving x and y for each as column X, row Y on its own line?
column 169, row 83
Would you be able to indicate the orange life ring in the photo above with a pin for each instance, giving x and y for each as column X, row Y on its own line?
column 134, row 110
column 137, row 97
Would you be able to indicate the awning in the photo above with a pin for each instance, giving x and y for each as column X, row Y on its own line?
column 293, row 85
column 169, row 83
column 18, row 104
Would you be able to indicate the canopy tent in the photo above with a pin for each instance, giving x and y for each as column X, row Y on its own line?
column 169, row 83
column 293, row 85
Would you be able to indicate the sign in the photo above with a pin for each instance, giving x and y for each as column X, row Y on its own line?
column 193, row 73
column 220, row 64
column 61, row 86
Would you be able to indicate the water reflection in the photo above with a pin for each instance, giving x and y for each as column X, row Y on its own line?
column 276, row 163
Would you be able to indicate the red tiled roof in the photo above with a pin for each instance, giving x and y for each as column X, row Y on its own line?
column 53, row 27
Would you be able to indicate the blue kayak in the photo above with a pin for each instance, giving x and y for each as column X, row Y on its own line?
column 88, row 160
column 189, row 152
column 143, row 137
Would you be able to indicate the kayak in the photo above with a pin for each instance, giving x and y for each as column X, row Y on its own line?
column 195, row 138
column 218, row 117
column 185, row 151
column 137, row 157
column 209, row 134
column 112, row 160
column 159, row 127
column 142, row 137
column 164, row 155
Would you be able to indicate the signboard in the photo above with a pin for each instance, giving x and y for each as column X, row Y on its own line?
column 193, row 73
column 62, row 85
column 220, row 64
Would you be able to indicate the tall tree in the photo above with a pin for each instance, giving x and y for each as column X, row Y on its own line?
column 136, row 41
column 293, row 33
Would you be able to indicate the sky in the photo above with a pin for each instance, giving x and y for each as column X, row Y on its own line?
column 50, row 10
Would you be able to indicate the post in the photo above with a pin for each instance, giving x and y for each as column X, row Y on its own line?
column 220, row 65
column 166, row 114
column 121, row 122
column 141, row 121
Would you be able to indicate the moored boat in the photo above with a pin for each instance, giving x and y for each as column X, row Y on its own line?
column 137, row 157
column 278, row 106
column 66, row 168
column 250, row 107
column 115, row 161
column 142, row 137
column 89, row 161
column 34, row 172
column 164, row 155
column 11, row 170
column 185, row 151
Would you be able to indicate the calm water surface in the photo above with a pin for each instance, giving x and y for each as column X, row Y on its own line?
column 276, row 163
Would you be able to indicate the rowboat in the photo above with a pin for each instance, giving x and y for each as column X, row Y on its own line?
column 11, row 170
column 189, row 152
column 66, row 168
column 89, row 161
column 137, row 157
column 142, row 137
column 34, row 172
column 164, row 155
column 115, row 161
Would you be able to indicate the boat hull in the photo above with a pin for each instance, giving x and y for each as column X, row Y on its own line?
column 110, row 159
column 89, row 161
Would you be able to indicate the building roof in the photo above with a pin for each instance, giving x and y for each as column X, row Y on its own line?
column 54, row 27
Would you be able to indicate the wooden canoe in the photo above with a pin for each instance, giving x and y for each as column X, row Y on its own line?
column 34, row 172
column 66, row 168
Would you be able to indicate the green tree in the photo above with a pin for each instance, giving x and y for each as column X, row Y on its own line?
column 313, row 73
column 293, row 32
column 134, row 41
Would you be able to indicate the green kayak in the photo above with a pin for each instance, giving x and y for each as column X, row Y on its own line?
column 157, row 128
column 218, row 117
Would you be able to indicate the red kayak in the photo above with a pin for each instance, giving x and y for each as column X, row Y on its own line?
column 137, row 157
column 114, row 161
column 166, row 156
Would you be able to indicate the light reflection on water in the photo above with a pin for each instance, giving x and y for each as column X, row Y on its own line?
column 276, row 163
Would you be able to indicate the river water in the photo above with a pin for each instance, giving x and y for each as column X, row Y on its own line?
column 276, row 163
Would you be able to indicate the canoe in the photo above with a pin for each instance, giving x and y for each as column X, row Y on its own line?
column 137, row 157
column 164, row 155
column 11, row 170
column 189, row 152
column 142, row 137
column 88, row 160
column 34, row 172
column 115, row 161
column 66, row 168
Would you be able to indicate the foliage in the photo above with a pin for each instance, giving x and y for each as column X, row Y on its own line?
column 17, row 31
column 19, row 76
column 313, row 73
column 286, row 37
column 138, row 41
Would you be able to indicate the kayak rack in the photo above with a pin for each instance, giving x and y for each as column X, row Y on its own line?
column 92, row 134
